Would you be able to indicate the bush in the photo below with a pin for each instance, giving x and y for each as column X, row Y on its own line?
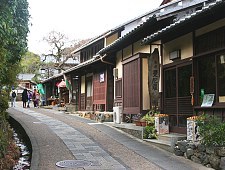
column 211, row 130
column 149, row 132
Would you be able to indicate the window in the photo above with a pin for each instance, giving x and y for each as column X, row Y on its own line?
column 118, row 88
column 89, row 89
column 184, row 74
column 170, row 85
column 221, row 77
column 207, row 78
column 211, row 70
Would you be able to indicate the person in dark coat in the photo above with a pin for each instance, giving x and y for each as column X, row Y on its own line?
column 24, row 98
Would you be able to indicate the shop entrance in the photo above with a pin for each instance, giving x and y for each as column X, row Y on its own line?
column 177, row 97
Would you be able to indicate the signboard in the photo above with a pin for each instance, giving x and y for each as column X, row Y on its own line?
column 102, row 77
column 153, row 77
column 208, row 100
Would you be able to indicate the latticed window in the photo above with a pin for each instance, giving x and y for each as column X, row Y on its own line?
column 119, row 88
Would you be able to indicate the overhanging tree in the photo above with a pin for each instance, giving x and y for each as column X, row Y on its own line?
column 14, row 20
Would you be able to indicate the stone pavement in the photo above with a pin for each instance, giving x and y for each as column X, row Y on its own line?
column 56, row 136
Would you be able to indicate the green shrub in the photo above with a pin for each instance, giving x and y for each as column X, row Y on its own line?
column 149, row 132
column 211, row 130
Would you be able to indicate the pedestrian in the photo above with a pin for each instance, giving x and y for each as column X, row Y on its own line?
column 34, row 98
column 13, row 98
column 29, row 94
column 37, row 99
column 24, row 98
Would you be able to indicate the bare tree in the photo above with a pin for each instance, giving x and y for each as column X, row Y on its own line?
column 57, row 41
column 59, row 51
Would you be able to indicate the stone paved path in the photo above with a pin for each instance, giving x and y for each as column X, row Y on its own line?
column 82, row 139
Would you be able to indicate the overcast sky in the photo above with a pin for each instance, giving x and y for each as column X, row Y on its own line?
column 80, row 19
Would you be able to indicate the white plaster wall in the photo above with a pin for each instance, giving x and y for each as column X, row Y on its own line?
column 82, row 84
column 127, row 52
column 138, row 48
column 184, row 43
column 119, row 64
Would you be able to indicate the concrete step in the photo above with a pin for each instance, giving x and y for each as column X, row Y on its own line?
column 172, row 137
column 166, row 145
column 166, row 141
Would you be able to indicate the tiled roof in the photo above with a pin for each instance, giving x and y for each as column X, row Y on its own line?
column 25, row 76
column 93, row 40
column 132, row 32
column 183, row 20
column 88, row 62
column 151, row 17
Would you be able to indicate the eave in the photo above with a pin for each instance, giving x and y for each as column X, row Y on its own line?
column 208, row 14
column 142, row 30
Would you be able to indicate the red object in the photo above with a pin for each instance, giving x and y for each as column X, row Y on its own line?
column 61, row 84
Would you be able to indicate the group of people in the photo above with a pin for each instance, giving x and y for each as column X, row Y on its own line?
column 27, row 97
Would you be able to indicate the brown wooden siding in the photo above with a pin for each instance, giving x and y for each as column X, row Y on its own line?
column 82, row 102
column 99, row 89
column 110, row 90
column 89, row 103
column 131, row 91
column 170, row 106
column 184, row 105
column 210, row 41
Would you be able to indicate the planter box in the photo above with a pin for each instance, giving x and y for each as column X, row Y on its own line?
column 192, row 129
column 137, row 122
column 162, row 123
column 144, row 123
column 93, row 116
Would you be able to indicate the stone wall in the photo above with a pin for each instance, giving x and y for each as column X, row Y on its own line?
column 212, row 157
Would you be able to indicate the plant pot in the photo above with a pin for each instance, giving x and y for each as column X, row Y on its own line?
column 143, row 123
column 137, row 123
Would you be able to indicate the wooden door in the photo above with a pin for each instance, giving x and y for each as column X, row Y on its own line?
column 89, row 93
column 177, row 98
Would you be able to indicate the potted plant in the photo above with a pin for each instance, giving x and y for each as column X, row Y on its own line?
column 150, row 120
column 143, row 121
column 136, row 119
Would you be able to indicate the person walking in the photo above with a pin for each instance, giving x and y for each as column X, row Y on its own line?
column 29, row 94
column 37, row 99
column 13, row 99
column 34, row 98
column 24, row 98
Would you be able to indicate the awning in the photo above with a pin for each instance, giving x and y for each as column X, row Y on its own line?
column 40, row 89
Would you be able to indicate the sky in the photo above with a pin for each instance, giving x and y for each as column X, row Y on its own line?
column 80, row 19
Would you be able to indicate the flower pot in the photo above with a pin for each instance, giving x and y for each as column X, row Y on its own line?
column 137, row 123
column 143, row 123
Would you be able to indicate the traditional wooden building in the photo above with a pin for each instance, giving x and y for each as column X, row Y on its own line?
column 92, row 79
column 193, row 66
column 133, row 61
column 114, row 67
